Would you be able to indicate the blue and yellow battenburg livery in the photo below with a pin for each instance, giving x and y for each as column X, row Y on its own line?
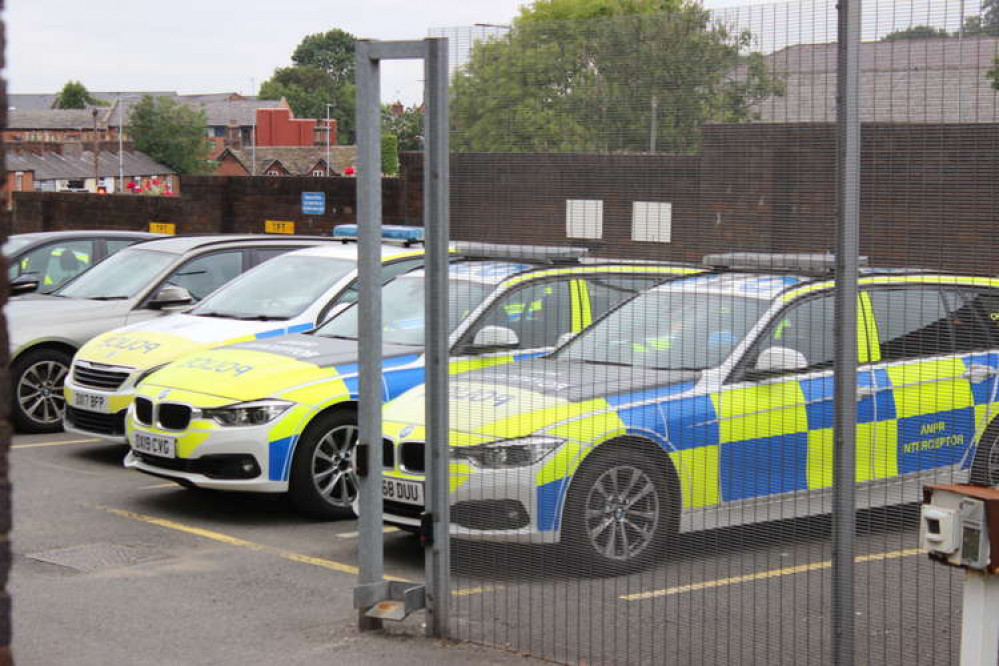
column 279, row 414
column 706, row 402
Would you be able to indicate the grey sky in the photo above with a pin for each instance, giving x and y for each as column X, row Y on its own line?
column 233, row 45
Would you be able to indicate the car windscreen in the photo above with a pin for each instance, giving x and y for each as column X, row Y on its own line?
column 14, row 244
column 120, row 276
column 280, row 288
column 668, row 330
column 403, row 310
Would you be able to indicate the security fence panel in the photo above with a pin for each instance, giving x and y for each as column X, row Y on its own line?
column 642, row 396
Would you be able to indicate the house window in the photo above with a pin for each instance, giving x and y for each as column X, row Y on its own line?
column 273, row 172
column 19, row 181
column 318, row 173
column 584, row 218
column 651, row 221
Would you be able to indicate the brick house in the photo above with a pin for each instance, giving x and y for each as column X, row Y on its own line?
column 285, row 161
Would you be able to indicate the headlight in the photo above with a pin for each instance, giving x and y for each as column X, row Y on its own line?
column 253, row 413
column 507, row 453
column 150, row 371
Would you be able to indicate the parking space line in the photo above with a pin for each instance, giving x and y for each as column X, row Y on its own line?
column 388, row 529
column 763, row 575
column 241, row 543
column 63, row 442
column 469, row 591
column 161, row 485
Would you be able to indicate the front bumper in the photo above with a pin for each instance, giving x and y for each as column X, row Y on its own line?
column 208, row 455
column 107, row 423
column 497, row 505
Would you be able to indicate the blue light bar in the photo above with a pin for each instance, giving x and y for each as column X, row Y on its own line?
column 401, row 234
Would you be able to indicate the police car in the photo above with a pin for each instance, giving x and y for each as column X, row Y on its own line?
column 288, row 294
column 279, row 415
column 708, row 401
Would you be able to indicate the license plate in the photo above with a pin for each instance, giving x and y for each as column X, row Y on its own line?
column 92, row 402
column 155, row 445
column 407, row 492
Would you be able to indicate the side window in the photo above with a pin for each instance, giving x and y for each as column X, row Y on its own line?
column 975, row 318
column 350, row 293
column 806, row 328
column 911, row 322
column 115, row 244
column 260, row 255
column 55, row 263
column 608, row 291
column 205, row 274
column 539, row 314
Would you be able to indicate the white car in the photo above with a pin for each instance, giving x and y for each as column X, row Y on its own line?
column 289, row 294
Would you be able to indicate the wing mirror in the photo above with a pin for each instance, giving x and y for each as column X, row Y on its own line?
column 495, row 337
column 25, row 283
column 171, row 296
column 778, row 360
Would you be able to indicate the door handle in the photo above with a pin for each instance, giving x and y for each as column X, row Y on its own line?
column 977, row 373
column 866, row 392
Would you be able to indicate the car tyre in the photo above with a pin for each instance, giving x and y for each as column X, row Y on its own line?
column 37, row 379
column 323, row 480
column 985, row 466
column 622, row 510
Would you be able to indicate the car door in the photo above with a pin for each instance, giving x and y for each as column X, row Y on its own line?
column 930, row 374
column 775, row 433
column 200, row 275
column 538, row 314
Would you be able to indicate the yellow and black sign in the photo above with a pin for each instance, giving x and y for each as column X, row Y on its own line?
column 279, row 227
column 163, row 228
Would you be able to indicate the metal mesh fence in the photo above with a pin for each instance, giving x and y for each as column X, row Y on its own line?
column 657, row 489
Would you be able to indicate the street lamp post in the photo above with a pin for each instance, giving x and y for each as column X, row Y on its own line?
column 328, row 132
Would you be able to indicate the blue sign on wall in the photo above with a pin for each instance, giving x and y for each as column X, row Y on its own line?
column 313, row 203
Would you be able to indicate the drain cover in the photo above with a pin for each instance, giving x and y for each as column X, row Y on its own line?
column 96, row 556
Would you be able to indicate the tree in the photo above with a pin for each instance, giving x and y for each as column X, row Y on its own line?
column 405, row 123
column 994, row 74
column 332, row 52
column 606, row 76
column 986, row 23
column 171, row 133
column 916, row 32
column 322, row 73
column 74, row 95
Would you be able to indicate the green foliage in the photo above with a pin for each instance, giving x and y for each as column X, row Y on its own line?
column 390, row 155
column 171, row 133
column 332, row 52
column 916, row 32
column 405, row 123
column 617, row 76
column 994, row 74
column 985, row 24
column 74, row 95
column 322, row 73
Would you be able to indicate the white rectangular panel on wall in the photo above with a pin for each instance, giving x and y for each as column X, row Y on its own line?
column 584, row 218
column 651, row 221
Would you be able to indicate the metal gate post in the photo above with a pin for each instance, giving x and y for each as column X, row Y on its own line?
column 845, row 365
column 437, row 451
column 374, row 597
column 370, row 548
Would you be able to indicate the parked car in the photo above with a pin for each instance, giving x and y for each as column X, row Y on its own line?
column 45, row 260
column 707, row 402
column 279, row 415
column 149, row 279
column 289, row 294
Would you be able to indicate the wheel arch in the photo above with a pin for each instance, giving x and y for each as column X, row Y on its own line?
column 979, row 465
column 60, row 345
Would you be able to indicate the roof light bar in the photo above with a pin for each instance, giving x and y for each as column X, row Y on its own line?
column 806, row 263
column 533, row 253
column 390, row 232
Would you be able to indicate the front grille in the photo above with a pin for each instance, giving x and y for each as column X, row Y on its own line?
column 100, row 424
column 490, row 515
column 173, row 416
column 401, row 509
column 411, row 457
column 388, row 454
column 144, row 411
column 106, row 380
column 219, row 466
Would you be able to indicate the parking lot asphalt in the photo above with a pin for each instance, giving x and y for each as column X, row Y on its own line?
column 114, row 567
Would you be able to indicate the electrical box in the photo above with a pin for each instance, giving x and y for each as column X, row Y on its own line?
column 959, row 526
